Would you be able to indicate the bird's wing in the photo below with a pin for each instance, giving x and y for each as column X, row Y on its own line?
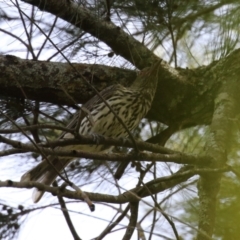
column 89, row 105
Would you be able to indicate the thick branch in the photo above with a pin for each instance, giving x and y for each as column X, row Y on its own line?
column 119, row 41
column 182, row 96
column 45, row 81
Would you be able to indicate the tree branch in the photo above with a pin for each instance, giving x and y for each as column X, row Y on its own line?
column 50, row 78
column 119, row 41
column 133, row 220
column 176, row 158
column 135, row 194
column 67, row 216
column 183, row 96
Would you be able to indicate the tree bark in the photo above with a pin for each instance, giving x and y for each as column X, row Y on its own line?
column 184, row 96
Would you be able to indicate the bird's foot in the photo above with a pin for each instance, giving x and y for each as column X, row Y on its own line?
column 124, row 140
column 97, row 138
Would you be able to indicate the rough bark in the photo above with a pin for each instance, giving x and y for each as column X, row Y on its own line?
column 47, row 81
column 184, row 97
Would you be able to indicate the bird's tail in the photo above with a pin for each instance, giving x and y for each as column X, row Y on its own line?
column 45, row 172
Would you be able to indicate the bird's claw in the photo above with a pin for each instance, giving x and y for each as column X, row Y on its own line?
column 97, row 137
column 123, row 140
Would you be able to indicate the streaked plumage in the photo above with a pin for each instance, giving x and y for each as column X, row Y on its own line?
column 131, row 104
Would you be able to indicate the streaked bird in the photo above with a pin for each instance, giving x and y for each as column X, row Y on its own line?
column 130, row 104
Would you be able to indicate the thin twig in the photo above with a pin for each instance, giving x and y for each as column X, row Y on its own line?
column 157, row 206
column 114, row 224
column 133, row 220
column 66, row 215
column 33, row 127
column 10, row 152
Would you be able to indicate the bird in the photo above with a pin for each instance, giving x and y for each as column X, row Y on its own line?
column 131, row 104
